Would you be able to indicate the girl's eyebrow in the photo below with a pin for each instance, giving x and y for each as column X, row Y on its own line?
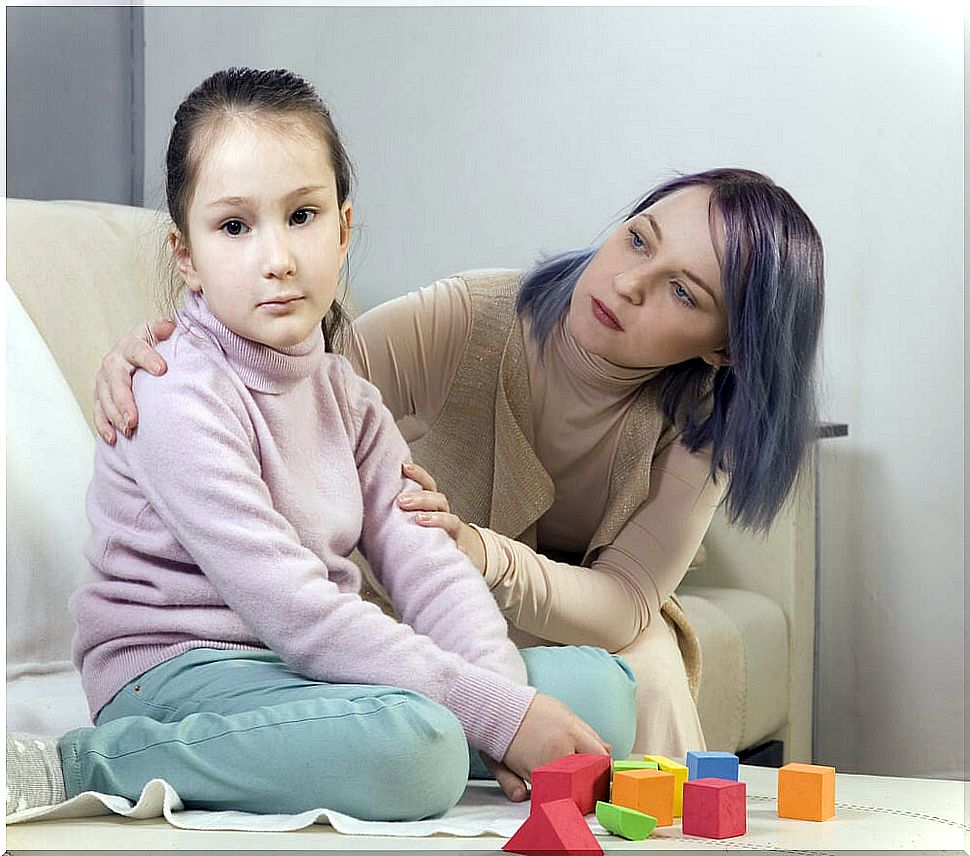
column 245, row 200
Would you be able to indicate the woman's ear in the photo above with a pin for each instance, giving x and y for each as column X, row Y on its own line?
column 718, row 358
column 183, row 261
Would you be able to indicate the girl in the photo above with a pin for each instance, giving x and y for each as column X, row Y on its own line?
column 630, row 386
column 223, row 644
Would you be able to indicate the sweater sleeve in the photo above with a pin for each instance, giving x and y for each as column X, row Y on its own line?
column 410, row 347
column 611, row 602
column 197, row 465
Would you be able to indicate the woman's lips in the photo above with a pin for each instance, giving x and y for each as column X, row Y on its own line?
column 605, row 317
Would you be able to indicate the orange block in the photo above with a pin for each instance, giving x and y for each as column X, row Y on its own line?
column 648, row 791
column 806, row 792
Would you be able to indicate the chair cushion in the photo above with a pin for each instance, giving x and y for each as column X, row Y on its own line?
column 743, row 695
column 50, row 455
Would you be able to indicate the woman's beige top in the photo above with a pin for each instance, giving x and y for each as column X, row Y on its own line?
column 410, row 349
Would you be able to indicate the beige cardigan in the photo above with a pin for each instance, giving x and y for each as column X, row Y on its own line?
column 480, row 448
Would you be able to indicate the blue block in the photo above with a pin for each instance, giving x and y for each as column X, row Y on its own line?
column 712, row 765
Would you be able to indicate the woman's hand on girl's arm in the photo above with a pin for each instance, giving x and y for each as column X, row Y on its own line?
column 433, row 510
column 114, row 405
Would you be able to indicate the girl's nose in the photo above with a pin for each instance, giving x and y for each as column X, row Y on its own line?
column 278, row 259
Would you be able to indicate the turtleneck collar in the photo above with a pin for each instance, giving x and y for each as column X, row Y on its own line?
column 590, row 369
column 260, row 367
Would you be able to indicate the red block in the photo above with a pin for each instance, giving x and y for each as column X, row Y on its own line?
column 554, row 825
column 714, row 808
column 584, row 779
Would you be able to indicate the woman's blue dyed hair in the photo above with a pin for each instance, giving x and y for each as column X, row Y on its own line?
column 764, row 413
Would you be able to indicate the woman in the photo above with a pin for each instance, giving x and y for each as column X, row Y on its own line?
column 582, row 422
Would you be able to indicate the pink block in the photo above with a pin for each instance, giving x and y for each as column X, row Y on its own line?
column 583, row 778
column 714, row 808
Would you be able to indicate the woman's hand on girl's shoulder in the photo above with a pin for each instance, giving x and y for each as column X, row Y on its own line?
column 114, row 404
column 433, row 510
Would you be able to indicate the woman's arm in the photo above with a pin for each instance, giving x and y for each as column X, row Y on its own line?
column 409, row 348
column 611, row 602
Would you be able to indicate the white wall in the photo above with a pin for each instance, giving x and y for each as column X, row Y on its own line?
column 484, row 136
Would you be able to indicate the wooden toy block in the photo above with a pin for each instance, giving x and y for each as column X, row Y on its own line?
column 554, row 825
column 712, row 765
column 625, row 822
column 582, row 778
column 806, row 792
column 647, row 791
column 620, row 766
column 715, row 808
column 680, row 776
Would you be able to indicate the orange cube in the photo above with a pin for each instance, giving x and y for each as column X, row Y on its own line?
column 680, row 776
column 806, row 792
column 647, row 791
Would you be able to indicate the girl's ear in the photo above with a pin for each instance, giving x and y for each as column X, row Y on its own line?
column 346, row 221
column 183, row 261
column 717, row 358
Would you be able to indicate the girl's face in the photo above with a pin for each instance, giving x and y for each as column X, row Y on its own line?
column 652, row 296
column 267, row 237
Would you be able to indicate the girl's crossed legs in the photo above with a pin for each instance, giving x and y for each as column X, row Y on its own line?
column 239, row 730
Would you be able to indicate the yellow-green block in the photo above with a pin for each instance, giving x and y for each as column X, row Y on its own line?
column 629, row 764
column 680, row 776
column 625, row 822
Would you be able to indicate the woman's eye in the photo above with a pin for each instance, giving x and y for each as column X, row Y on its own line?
column 233, row 228
column 303, row 216
column 636, row 241
column 682, row 294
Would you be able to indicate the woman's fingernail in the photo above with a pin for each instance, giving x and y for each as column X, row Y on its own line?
column 518, row 794
column 405, row 501
column 106, row 436
column 128, row 420
column 422, row 517
column 408, row 465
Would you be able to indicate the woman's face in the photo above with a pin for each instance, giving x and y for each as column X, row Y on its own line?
column 652, row 295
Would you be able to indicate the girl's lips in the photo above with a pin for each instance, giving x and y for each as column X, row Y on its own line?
column 605, row 317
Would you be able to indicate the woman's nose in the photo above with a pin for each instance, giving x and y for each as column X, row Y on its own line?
column 278, row 259
column 632, row 284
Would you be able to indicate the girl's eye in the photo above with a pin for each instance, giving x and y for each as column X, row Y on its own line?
column 682, row 294
column 303, row 216
column 636, row 241
column 233, row 228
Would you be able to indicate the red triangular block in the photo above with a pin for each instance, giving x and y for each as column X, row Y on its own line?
column 554, row 825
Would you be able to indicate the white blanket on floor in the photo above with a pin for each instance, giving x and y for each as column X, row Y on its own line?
column 482, row 810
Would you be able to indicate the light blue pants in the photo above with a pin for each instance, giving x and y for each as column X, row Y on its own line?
column 239, row 730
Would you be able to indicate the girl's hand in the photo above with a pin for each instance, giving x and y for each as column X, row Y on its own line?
column 433, row 510
column 114, row 405
column 548, row 731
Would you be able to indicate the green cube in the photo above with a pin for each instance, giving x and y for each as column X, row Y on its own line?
column 619, row 766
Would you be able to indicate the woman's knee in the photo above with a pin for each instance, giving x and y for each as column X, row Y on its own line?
column 598, row 686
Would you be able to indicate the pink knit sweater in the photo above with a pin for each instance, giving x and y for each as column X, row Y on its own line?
column 228, row 519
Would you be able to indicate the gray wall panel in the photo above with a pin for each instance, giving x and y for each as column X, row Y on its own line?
column 73, row 128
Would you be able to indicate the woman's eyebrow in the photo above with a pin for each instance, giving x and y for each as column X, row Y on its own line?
column 699, row 282
column 653, row 225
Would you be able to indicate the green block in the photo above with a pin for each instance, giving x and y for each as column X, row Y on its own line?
column 625, row 822
column 619, row 766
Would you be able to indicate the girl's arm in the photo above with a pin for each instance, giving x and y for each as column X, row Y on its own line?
column 610, row 603
column 197, row 464
column 433, row 586
column 409, row 348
